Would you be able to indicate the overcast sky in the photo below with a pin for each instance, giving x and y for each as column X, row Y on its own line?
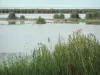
column 50, row 3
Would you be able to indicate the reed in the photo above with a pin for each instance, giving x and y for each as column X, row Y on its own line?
column 79, row 55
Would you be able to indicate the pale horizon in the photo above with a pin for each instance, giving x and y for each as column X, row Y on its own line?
column 70, row 4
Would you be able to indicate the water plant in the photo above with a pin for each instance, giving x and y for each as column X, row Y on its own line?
column 79, row 55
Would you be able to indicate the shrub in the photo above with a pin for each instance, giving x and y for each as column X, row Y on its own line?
column 93, row 15
column 22, row 17
column 40, row 20
column 12, row 15
column 60, row 16
column 56, row 16
column 74, row 15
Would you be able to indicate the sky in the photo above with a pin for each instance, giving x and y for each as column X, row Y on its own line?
column 49, row 3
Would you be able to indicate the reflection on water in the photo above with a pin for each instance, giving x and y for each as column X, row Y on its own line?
column 22, row 22
column 11, row 22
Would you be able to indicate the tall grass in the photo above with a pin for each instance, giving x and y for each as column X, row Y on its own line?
column 79, row 55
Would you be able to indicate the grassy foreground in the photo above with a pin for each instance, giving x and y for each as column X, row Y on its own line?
column 80, row 55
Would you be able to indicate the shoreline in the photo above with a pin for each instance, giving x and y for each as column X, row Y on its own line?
column 40, row 13
column 28, row 19
column 88, row 21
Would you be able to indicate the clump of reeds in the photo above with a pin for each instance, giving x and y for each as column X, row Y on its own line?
column 79, row 55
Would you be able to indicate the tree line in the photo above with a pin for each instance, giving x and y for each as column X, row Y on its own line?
column 12, row 15
column 48, row 10
column 93, row 15
column 73, row 16
column 59, row 16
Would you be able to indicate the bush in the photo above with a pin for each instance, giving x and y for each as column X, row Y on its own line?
column 93, row 15
column 56, row 16
column 12, row 15
column 22, row 17
column 74, row 16
column 40, row 20
column 61, row 16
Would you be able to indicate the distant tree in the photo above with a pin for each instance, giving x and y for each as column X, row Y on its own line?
column 12, row 15
column 61, row 16
column 22, row 17
column 93, row 15
column 87, row 15
column 75, row 15
column 56, row 16
column 40, row 20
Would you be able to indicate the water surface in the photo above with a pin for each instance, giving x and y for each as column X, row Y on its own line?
column 24, row 38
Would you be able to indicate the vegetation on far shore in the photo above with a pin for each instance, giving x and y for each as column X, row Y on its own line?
column 74, row 18
column 40, row 20
column 12, row 15
column 47, row 11
column 22, row 17
column 59, row 16
column 93, row 15
column 80, row 55
column 91, row 18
